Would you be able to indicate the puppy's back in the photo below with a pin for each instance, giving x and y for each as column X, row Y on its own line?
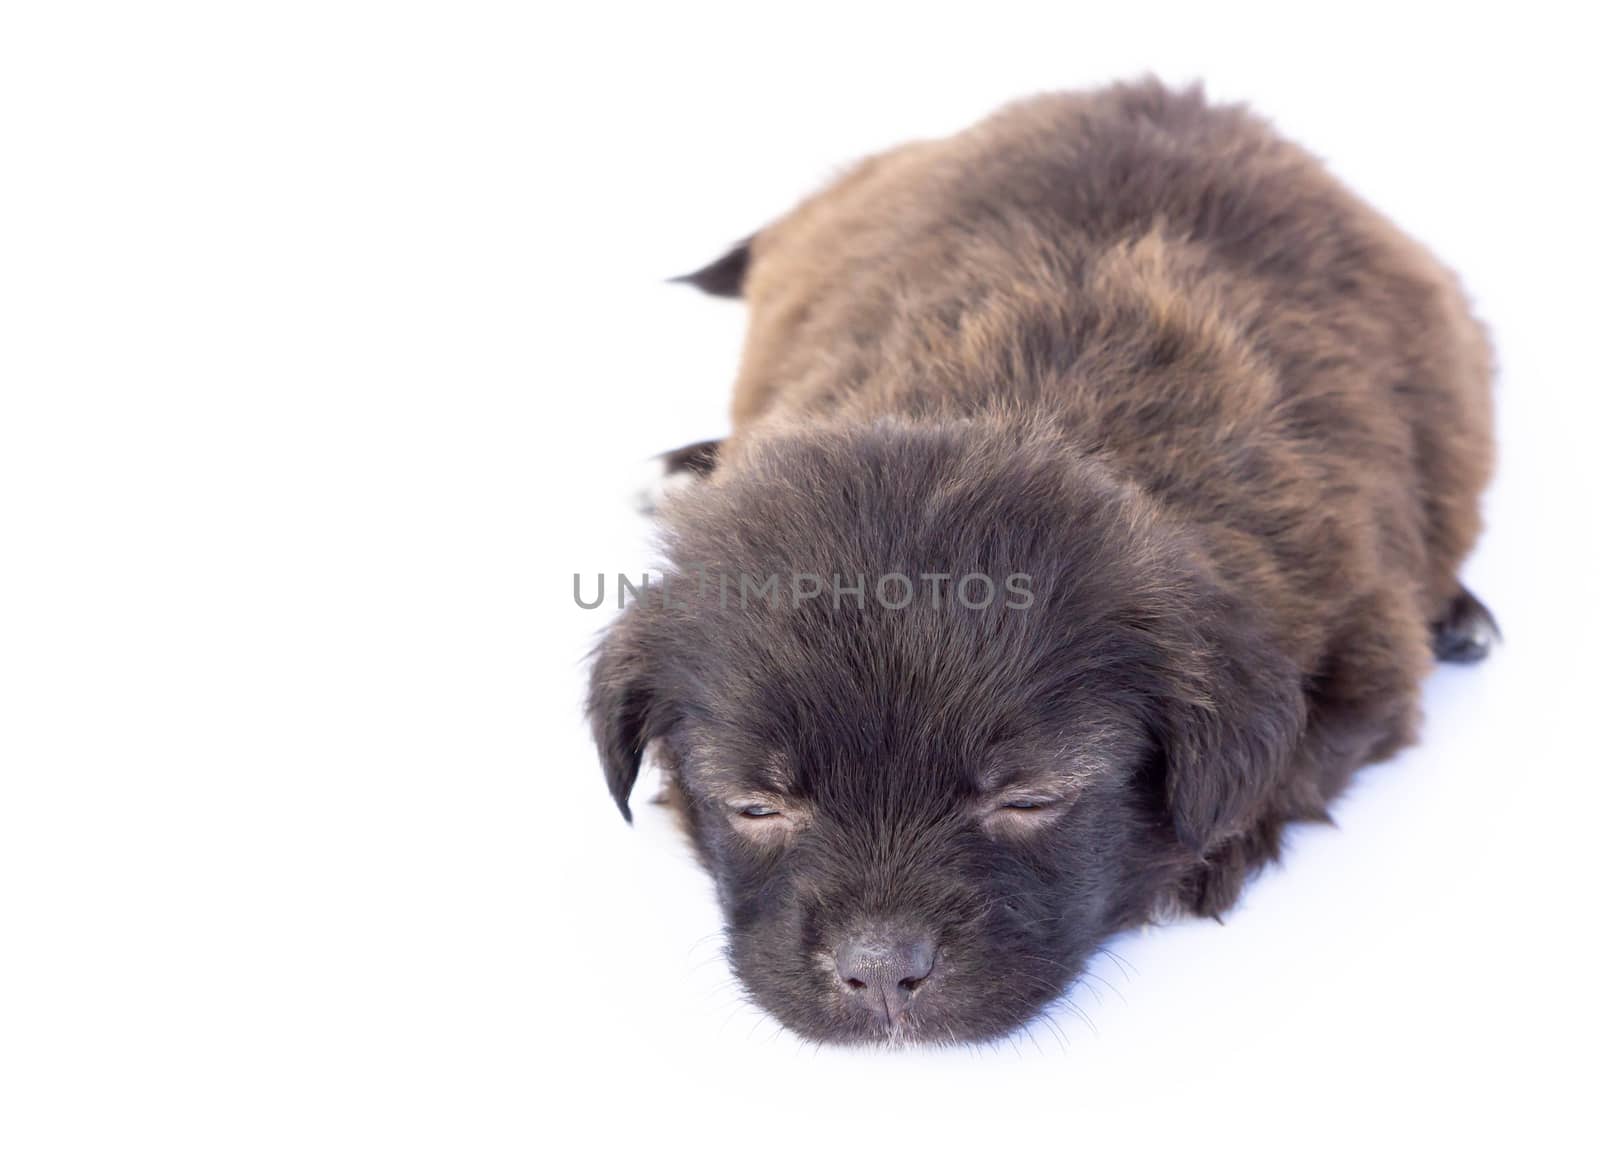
column 1186, row 294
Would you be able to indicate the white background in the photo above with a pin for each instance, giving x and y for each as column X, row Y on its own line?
column 331, row 336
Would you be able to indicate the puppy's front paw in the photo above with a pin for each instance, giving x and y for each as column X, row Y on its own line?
column 1466, row 632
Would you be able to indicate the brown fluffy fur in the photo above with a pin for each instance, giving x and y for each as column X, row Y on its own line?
column 1174, row 309
column 1320, row 405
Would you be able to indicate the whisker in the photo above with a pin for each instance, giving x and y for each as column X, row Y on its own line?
column 1091, row 975
column 1121, row 962
column 1076, row 1010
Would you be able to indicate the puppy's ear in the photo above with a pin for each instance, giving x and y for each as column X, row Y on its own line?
column 697, row 459
column 723, row 277
column 1234, row 717
column 623, row 708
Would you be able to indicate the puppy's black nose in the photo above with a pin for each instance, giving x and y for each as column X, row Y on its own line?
column 881, row 970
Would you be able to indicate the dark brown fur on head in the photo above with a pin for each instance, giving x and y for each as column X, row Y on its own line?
column 1227, row 424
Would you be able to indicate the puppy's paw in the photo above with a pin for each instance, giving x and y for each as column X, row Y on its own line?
column 671, row 470
column 1466, row 632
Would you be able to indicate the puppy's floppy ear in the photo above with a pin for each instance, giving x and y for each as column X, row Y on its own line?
column 1234, row 716
column 697, row 459
column 623, row 708
column 723, row 277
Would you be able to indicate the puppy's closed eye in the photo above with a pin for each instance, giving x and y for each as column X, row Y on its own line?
column 759, row 810
column 1027, row 809
column 1022, row 789
column 764, row 819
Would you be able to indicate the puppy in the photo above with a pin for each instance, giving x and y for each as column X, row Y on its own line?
column 1211, row 430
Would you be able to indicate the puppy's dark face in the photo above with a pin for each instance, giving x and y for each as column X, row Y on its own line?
column 923, row 818
column 901, row 870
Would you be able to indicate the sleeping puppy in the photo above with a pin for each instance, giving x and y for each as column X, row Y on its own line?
column 1093, row 508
